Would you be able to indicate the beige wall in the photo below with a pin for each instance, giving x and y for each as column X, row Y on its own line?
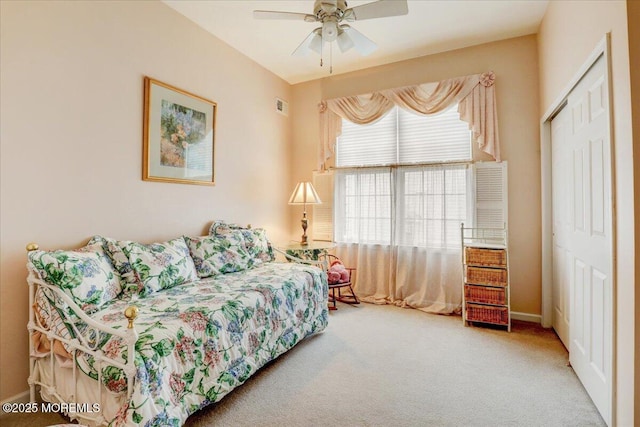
column 305, row 130
column 569, row 32
column 71, row 139
column 515, row 63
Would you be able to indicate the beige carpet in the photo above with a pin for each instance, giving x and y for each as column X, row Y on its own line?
column 387, row 366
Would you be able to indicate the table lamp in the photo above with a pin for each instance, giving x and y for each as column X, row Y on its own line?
column 304, row 194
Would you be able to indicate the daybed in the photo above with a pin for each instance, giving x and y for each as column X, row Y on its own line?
column 202, row 315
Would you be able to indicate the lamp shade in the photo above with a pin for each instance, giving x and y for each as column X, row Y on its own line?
column 303, row 194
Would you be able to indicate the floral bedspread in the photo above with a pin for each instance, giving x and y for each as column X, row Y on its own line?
column 199, row 341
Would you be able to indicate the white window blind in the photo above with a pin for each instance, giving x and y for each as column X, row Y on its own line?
column 437, row 138
column 372, row 144
column 402, row 137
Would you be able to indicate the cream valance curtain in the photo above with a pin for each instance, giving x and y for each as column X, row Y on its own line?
column 474, row 94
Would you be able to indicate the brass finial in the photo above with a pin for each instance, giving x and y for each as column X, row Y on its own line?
column 32, row 247
column 131, row 313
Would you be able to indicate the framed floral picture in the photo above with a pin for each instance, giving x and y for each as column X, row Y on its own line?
column 179, row 129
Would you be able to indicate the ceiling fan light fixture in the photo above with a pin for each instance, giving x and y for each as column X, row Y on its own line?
column 330, row 30
column 363, row 45
column 316, row 42
column 331, row 14
column 344, row 41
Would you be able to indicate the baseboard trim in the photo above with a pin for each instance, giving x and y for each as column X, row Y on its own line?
column 18, row 398
column 526, row 317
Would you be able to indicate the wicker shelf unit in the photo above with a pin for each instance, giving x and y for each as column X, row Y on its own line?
column 486, row 293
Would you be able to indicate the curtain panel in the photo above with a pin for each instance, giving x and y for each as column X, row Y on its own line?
column 409, row 277
column 474, row 94
column 400, row 227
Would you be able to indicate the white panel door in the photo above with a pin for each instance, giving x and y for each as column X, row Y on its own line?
column 560, row 193
column 589, row 252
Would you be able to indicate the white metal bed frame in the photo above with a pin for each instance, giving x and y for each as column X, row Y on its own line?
column 86, row 342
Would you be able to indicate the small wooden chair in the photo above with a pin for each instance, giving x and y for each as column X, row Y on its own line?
column 349, row 298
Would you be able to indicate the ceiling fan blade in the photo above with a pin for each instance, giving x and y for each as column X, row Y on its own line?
column 313, row 42
column 363, row 45
column 377, row 9
column 329, row 6
column 272, row 14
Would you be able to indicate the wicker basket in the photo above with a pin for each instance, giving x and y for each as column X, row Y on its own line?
column 485, row 256
column 486, row 276
column 485, row 295
column 487, row 314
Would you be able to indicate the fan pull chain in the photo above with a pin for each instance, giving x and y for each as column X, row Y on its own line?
column 322, row 49
column 330, row 58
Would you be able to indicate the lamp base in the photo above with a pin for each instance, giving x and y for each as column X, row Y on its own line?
column 305, row 223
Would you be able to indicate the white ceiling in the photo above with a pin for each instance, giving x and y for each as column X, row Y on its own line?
column 431, row 26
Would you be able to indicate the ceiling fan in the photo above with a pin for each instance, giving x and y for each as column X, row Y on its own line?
column 332, row 14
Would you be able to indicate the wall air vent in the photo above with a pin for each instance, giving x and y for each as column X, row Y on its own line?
column 282, row 107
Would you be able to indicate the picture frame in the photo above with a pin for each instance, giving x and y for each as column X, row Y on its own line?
column 179, row 135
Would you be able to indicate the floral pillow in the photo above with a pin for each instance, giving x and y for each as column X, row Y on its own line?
column 120, row 262
column 215, row 254
column 160, row 265
column 255, row 240
column 86, row 275
column 258, row 245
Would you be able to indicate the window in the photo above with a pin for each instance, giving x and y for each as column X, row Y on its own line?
column 401, row 137
column 432, row 204
column 364, row 206
column 420, row 197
